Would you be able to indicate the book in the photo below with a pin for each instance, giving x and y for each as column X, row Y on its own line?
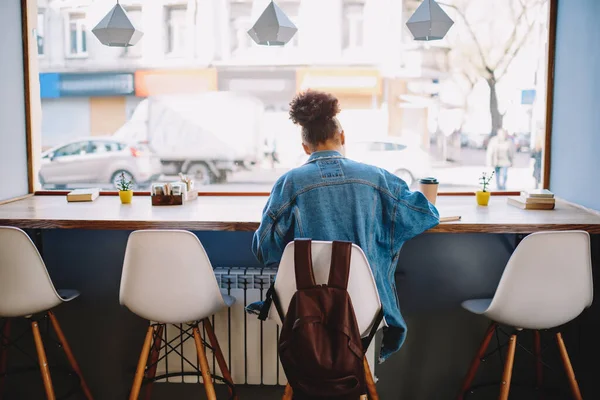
column 539, row 193
column 83, row 195
column 538, row 200
column 519, row 202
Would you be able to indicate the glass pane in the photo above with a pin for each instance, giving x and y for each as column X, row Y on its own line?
column 73, row 37
column 72, row 149
column 422, row 107
column 83, row 39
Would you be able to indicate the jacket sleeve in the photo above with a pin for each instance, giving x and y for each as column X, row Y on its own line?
column 412, row 215
column 270, row 239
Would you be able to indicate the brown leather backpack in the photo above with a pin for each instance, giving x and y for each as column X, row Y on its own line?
column 320, row 346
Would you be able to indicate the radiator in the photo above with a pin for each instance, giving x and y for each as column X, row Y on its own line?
column 248, row 344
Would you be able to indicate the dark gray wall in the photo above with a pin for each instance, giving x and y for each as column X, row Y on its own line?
column 13, row 145
column 576, row 121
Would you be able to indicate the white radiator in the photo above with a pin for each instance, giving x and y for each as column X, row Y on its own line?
column 248, row 344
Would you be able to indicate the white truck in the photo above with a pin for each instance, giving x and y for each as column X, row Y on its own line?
column 205, row 136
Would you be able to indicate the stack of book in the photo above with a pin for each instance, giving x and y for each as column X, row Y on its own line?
column 534, row 200
column 83, row 195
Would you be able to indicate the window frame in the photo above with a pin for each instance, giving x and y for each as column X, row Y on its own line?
column 350, row 24
column 171, row 50
column 81, row 29
column 33, row 105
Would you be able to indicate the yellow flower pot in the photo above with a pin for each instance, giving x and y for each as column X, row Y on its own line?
column 483, row 198
column 126, row 196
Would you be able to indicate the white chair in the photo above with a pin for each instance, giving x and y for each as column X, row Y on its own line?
column 361, row 287
column 547, row 283
column 168, row 278
column 26, row 290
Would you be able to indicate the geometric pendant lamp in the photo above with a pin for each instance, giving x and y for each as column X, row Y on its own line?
column 116, row 29
column 273, row 27
column 429, row 22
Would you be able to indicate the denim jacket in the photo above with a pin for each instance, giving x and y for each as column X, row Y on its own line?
column 334, row 198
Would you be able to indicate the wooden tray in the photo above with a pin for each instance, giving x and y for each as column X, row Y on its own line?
column 163, row 200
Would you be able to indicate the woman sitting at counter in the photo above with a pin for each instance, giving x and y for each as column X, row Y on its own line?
column 334, row 198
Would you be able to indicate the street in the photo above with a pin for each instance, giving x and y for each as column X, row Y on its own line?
column 453, row 176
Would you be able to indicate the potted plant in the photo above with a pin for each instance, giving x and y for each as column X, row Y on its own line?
column 125, row 191
column 483, row 196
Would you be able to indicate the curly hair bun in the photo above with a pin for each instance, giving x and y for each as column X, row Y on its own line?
column 312, row 106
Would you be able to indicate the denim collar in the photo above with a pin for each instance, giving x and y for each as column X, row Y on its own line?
column 317, row 155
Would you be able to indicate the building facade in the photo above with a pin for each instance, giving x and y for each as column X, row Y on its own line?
column 353, row 48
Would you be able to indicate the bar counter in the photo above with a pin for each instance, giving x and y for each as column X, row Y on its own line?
column 231, row 213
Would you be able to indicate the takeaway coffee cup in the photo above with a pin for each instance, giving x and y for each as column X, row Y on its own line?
column 429, row 187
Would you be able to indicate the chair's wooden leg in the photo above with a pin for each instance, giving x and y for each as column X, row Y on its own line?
column 568, row 367
column 69, row 353
column 539, row 367
column 155, row 353
column 39, row 347
column 208, row 383
column 371, row 389
column 288, row 394
column 214, row 342
column 4, row 353
column 508, row 367
column 141, row 367
column 477, row 360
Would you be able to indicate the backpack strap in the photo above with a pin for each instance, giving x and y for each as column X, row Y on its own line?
column 340, row 265
column 367, row 341
column 305, row 276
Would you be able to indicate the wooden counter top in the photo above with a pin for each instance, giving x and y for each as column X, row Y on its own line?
column 243, row 214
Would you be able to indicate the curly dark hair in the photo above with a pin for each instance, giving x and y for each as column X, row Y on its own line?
column 315, row 112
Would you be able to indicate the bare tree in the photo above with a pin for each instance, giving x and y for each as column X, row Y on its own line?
column 487, row 37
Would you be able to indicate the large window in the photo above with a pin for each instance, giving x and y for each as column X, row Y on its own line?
column 207, row 101
column 76, row 35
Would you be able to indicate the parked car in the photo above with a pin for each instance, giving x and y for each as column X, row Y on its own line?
column 410, row 163
column 98, row 161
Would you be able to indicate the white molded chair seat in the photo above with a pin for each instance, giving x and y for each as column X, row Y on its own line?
column 547, row 282
column 25, row 286
column 361, row 283
column 167, row 277
column 26, row 289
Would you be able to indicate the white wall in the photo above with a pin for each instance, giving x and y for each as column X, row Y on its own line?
column 13, row 144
